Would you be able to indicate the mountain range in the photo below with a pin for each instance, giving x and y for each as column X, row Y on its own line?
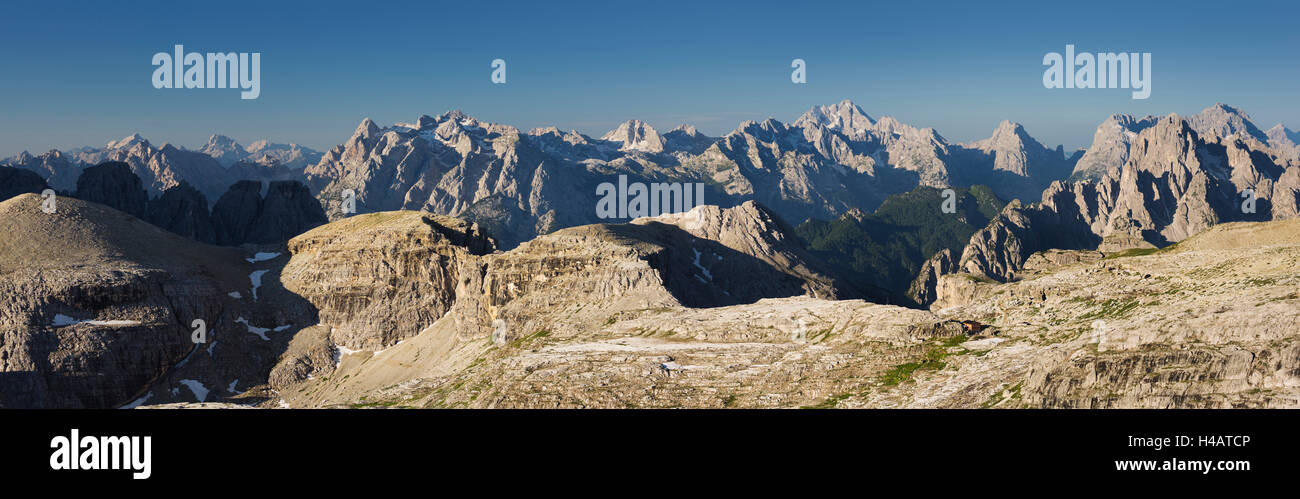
column 476, row 273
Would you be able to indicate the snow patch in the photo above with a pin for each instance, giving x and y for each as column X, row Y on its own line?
column 256, row 278
column 262, row 257
column 200, row 391
column 339, row 352
column 61, row 320
column 137, row 402
column 701, row 267
column 235, row 295
column 259, row 331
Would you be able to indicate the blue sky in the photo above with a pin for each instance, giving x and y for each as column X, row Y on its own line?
column 78, row 73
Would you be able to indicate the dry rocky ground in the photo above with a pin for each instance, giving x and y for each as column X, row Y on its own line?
column 714, row 308
column 1211, row 322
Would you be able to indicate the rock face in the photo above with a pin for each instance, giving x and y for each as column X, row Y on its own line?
column 183, row 210
column 97, row 303
column 113, row 184
column 210, row 170
column 1110, row 146
column 14, row 181
column 518, row 185
column 380, row 278
column 161, row 168
column 1224, row 121
column 923, row 289
column 412, row 309
column 243, row 215
column 262, row 152
column 633, row 135
column 687, row 139
column 1021, row 167
column 1285, row 141
column 1175, row 182
column 287, row 210
column 756, row 232
column 54, row 167
column 1171, row 329
column 223, row 149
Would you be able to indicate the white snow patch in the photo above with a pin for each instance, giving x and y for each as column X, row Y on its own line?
column 259, row 331
column 235, row 295
column 61, row 320
column 231, row 388
column 339, row 352
column 701, row 267
column 283, row 404
column 262, row 257
column 137, row 402
column 256, row 279
column 200, row 391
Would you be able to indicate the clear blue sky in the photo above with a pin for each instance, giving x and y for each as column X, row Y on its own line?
column 78, row 73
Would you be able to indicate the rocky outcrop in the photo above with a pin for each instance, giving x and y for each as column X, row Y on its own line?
column 379, row 278
column 687, row 139
column 758, row 233
column 243, row 215
column 183, row 210
column 923, row 288
column 1000, row 249
column 14, row 181
column 113, row 184
column 633, row 135
column 54, row 166
column 288, row 209
column 161, row 168
column 1165, row 330
column 1176, row 182
column 98, row 303
column 1110, row 146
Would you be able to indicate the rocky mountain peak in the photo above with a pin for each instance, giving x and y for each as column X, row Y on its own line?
column 128, row 142
column 635, row 135
column 218, row 140
column 1110, row 145
column 425, row 121
column 366, row 129
column 690, row 131
column 844, row 115
column 764, row 130
column 1279, row 130
column 224, row 149
column 1010, row 133
column 1224, row 120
